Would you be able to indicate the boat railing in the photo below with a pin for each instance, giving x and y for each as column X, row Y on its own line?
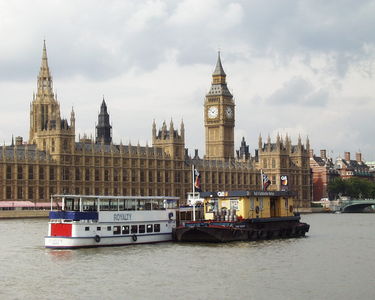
column 85, row 203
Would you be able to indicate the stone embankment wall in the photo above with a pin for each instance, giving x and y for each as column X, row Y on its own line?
column 14, row 214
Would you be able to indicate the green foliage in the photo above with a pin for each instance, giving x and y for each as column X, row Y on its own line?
column 353, row 187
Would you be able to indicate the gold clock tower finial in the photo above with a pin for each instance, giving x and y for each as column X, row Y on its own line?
column 219, row 117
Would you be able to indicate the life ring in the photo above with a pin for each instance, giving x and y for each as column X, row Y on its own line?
column 97, row 238
column 257, row 210
column 134, row 237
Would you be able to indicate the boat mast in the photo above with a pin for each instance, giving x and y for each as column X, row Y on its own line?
column 193, row 175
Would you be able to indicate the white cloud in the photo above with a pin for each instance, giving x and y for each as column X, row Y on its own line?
column 144, row 14
column 302, row 67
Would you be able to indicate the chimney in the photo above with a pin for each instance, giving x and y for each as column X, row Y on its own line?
column 19, row 140
column 347, row 156
column 323, row 154
column 358, row 157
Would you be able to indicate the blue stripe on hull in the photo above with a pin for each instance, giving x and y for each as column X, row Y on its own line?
column 104, row 237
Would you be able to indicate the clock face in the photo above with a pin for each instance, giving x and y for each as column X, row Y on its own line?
column 229, row 112
column 212, row 112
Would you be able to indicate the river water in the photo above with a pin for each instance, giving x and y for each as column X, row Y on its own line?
column 335, row 261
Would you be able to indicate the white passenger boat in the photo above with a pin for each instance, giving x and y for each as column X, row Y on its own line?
column 95, row 221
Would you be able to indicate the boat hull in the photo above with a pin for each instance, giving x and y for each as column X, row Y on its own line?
column 57, row 242
column 249, row 230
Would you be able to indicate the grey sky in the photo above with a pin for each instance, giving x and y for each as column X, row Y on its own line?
column 296, row 67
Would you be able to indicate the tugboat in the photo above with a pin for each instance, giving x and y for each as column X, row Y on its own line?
column 244, row 216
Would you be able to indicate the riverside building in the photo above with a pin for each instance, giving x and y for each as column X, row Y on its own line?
column 55, row 161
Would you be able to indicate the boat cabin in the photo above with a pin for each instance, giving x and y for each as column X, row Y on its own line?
column 235, row 205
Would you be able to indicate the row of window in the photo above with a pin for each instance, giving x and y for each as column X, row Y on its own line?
column 126, row 162
column 284, row 163
column 129, row 175
column 129, row 229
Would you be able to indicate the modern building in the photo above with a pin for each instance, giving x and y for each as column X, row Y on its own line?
column 54, row 161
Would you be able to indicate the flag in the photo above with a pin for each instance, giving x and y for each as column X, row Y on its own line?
column 197, row 181
column 266, row 182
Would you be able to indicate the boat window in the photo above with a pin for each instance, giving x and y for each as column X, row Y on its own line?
column 89, row 204
column 113, row 204
column 104, row 204
column 252, row 203
column 149, row 227
column 170, row 203
column 261, row 203
column 212, row 205
column 126, row 204
column 125, row 229
column 134, row 229
column 87, row 228
column 121, row 204
column 98, row 228
column 234, row 204
column 141, row 205
column 71, row 204
column 142, row 228
column 116, row 229
column 132, row 204
column 109, row 228
column 157, row 204
column 108, row 204
column 148, row 204
column 156, row 227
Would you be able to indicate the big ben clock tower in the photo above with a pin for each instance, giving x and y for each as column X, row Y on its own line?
column 219, row 117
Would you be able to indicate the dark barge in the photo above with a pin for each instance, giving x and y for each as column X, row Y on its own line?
column 244, row 216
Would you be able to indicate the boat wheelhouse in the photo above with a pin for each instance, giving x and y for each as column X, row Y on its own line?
column 244, row 215
column 95, row 221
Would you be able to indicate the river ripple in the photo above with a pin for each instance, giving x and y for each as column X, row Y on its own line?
column 335, row 261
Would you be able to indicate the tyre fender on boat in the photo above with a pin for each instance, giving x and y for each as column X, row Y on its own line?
column 97, row 238
column 134, row 237
column 257, row 210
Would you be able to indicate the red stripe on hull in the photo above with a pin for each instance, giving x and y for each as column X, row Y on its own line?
column 61, row 229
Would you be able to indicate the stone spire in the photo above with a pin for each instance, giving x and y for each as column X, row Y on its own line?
column 153, row 130
column 182, row 129
column 278, row 141
column 260, row 142
column 44, row 77
column 103, row 129
column 244, row 150
column 219, row 84
column 219, row 67
column 72, row 117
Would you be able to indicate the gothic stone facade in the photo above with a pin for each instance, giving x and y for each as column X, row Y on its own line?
column 53, row 162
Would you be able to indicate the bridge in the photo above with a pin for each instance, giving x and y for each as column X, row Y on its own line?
column 356, row 205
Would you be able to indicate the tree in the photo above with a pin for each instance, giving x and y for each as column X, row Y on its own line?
column 353, row 187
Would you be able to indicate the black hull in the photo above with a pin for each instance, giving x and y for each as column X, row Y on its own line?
column 251, row 230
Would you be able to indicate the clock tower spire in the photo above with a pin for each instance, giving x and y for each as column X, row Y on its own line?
column 219, row 117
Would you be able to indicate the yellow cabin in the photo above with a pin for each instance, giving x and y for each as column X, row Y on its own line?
column 234, row 205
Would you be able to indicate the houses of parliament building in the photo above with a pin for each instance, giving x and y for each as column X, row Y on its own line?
column 54, row 161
